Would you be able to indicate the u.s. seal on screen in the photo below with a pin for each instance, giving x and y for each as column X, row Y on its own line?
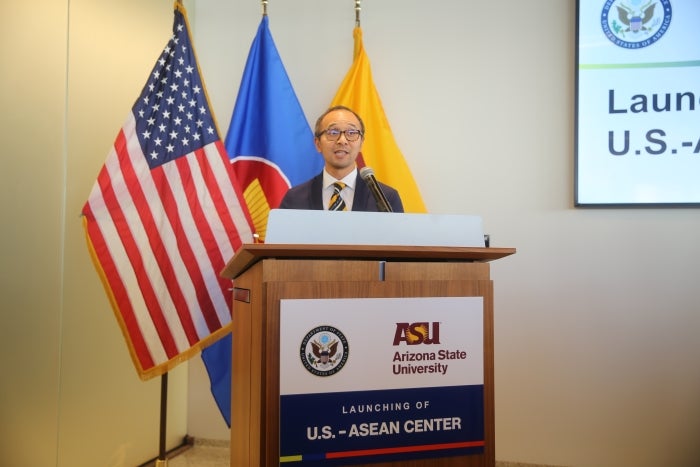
column 635, row 24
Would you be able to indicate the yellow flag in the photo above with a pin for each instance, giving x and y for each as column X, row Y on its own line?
column 379, row 150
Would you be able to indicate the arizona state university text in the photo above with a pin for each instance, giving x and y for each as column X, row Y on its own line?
column 433, row 357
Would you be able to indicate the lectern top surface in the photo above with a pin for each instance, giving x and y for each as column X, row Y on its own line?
column 249, row 254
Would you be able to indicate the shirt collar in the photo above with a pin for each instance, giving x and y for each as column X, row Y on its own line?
column 349, row 179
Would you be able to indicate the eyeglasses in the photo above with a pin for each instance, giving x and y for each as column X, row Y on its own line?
column 333, row 134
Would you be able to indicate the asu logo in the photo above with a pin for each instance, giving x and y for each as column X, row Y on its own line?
column 634, row 24
column 417, row 333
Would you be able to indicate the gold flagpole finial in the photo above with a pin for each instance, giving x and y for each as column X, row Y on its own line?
column 264, row 7
column 357, row 13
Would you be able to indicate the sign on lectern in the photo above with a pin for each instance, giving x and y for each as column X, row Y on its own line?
column 380, row 379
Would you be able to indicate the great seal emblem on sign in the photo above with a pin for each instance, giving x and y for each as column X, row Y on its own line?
column 324, row 350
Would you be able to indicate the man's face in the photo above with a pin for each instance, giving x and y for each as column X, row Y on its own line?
column 339, row 155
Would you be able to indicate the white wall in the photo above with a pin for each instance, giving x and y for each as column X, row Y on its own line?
column 69, row 393
column 597, row 315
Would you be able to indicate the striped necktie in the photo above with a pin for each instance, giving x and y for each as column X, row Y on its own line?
column 337, row 203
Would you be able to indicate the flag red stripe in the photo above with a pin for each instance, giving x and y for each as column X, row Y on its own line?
column 111, row 220
column 117, row 219
column 118, row 291
column 213, row 307
column 201, row 223
column 232, row 225
column 171, row 277
column 228, row 223
column 175, row 190
column 221, row 256
column 130, row 243
column 218, row 202
column 232, row 221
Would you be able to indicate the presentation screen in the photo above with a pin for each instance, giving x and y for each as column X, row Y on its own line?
column 637, row 130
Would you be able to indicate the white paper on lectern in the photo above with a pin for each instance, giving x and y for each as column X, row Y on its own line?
column 295, row 226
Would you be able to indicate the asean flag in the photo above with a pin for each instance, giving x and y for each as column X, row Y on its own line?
column 269, row 140
column 271, row 148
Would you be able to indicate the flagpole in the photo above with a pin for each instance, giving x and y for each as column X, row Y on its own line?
column 162, row 460
column 264, row 7
column 163, row 454
column 357, row 13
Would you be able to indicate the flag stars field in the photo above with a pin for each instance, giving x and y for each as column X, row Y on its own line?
column 173, row 90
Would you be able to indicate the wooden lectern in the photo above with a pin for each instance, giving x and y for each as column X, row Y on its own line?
column 264, row 274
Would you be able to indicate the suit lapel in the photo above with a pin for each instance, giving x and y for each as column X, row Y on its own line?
column 359, row 202
column 315, row 198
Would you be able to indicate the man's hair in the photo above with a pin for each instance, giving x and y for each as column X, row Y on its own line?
column 317, row 129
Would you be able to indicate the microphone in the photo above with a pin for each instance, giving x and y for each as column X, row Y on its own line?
column 367, row 175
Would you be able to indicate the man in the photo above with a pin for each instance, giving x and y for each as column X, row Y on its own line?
column 338, row 136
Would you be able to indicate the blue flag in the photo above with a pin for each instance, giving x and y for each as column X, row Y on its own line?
column 269, row 140
column 271, row 147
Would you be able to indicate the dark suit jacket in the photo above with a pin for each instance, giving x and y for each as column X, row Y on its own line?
column 308, row 195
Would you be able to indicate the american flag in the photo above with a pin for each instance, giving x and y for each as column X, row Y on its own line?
column 165, row 215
